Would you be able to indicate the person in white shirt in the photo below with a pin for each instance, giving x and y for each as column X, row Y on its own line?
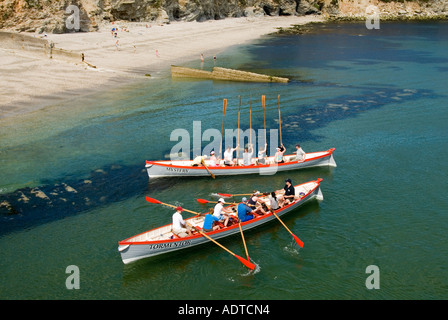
column 228, row 156
column 247, row 156
column 214, row 161
column 180, row 228
column 300, row 154
column 197, row 161
column 221, row 213
column 262, row 154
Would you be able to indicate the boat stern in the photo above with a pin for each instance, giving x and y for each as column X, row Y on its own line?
column 331, row 161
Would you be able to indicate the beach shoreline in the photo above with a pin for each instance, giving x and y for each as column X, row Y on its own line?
column 143, row 52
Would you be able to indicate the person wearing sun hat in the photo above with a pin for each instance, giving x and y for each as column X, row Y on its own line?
column 222, row 213
column 179, row 227
column 214, row 161
column 278, row 157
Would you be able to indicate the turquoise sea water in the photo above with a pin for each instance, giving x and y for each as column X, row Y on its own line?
column 377, row 96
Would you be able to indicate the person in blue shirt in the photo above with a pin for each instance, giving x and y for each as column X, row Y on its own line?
column 243, row 210
column 208, row 222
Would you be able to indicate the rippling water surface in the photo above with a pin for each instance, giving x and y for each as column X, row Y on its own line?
column 74, row 176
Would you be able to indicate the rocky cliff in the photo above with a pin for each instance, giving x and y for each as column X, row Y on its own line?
column 51, row 15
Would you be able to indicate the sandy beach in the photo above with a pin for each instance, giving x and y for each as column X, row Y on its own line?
column 29, row 82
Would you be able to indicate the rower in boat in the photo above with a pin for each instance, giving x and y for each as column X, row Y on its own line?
column 247, row 156
column 209, row 220
column 228, row 156
column 197, row 162
column 300, row 154
column 262, row 154
column 214, row 161
column 243, row 210
column 278, row 157
column 222, row 213
column 273, row 201
column 180, row 228
column 253, row 201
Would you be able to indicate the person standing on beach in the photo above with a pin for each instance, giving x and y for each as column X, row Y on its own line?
column 202, row 57
column 157, row 53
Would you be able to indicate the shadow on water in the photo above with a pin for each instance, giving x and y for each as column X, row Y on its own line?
column 27, row 207
column 324, row 111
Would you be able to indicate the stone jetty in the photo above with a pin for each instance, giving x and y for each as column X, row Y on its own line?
column 219, row 73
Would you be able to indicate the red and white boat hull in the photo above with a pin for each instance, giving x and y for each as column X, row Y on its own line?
column 158, row 241
column 183, row 168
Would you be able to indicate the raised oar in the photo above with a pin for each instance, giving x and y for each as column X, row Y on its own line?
column 224, row 107
column 152, row 200
column 279, row 120
column 203, row 201
column 299, row 242
column 203, row 163
column 250, row 123
column 238, row 132
column 247, row 263
column 264, row 116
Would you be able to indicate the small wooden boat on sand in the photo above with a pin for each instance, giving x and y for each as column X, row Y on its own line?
column 162, row 240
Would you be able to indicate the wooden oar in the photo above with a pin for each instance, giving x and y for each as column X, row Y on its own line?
column 152, row 200
column 203, row 201
column 244, row 241
column 264, row 116
column 211, row 174
column 247, row 263
column 233, row 195
column 224, row 107
column 299, row 242
column 238, row 132
column 279, row 120
column 250, row 123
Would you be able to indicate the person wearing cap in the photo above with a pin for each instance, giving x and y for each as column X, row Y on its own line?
column 222, row 213
column 289, row 191
column 179, row 227
column 214, row 161
column 278, row 157
column 243, row 210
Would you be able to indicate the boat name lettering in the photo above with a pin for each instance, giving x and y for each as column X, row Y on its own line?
column 169, row 245
column 177, row 170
